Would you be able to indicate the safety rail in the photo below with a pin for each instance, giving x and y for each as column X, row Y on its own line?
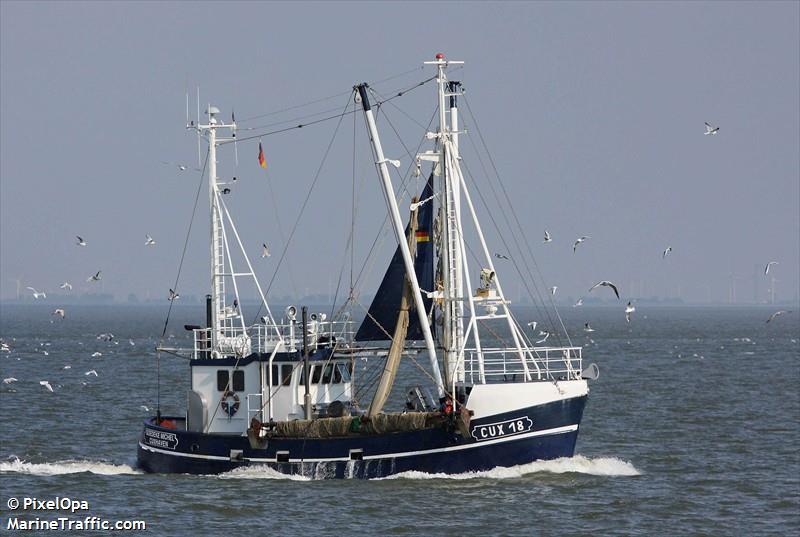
column 263, row 338
column 505, row 365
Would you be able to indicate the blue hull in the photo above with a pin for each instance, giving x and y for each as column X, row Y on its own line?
column 552, row 433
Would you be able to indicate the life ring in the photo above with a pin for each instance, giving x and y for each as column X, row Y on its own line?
column 230, row 408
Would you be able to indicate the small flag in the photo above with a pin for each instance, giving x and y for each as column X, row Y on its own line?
column 422, row 236
column 261, row 160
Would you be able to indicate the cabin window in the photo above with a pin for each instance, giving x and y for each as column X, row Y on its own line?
column 326, row 376
column 344, row 371
column 286, row 374
column 238, row 380
column 222, row 380
column 316, row 374
column 282, row 456
column 276, row 378
column 337, row 374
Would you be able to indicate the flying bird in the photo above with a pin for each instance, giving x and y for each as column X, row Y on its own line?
column 710, row 129
column 9, row 380
column 777, row 313
column 60, row 312
column 533, row 324
column 605, row 283
column 95, row 278
column 547, row 237
column 546, row 335
column 553, row 290
column 264, row 250
column 587, row 328
column 96, row 354
column 578, row 303
column 500, row 256
column 181, row 167
column 80, row 242
column 628, row 310
column 66, row 285
column 149, row 241
column 91, row 372
column 143, row 407
column 666, row 252
column 766, row 269
column 226, row 190
column 577, row 242
column 173, row 295
column 37, row 294
column 46, row 385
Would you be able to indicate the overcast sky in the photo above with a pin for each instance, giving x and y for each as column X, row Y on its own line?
column 593, row 113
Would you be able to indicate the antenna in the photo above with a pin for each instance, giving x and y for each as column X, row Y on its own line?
column 233, row 135
column 187, row 107
column 199, row 161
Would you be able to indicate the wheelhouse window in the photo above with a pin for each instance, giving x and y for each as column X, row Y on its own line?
column 344, row 370
column 328, row 374
column 222, row 380
column 286, row 374
column 238, row 380
column 316, row 374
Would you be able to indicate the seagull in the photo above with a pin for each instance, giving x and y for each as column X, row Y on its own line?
column 81, row 242
column 46, row 385
column 226, row 190
column 710, row 129
column 628, row 310
column 91, row 372
column 781, row 312
column 416, row 205
column 666, row 252
column 95, row 278
column 605, row 283
column 96, row 354
column 547, row 237
column 65, row 285
column 577, row 242
column 587, row 328
column 9, row 380
column 578, row 303
column 181, row 167
column 131, row 342
column 264, row 250
column 37, row 294
column 546, row 335
column 149, row 241
column 67, row 367
column 144, row 408
column 106, row 337
column 500, row 256
column 173, row 295
column 60, row 312
column 533, row 324
column 766, row 269
column 553, row 290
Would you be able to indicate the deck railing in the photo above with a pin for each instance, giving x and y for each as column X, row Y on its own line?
column 540, row 363
column 262, row 338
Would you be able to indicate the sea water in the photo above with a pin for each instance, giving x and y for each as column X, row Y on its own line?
column 691, row 429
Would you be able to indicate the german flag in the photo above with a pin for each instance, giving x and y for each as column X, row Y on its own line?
column 422, row 236
column 261, row 160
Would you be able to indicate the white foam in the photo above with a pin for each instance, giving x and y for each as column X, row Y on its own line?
column 259, row 471
column 65, row 467
column 606, row 466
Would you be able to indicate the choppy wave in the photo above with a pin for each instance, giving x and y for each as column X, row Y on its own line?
column 65, row 467
column 605, row 466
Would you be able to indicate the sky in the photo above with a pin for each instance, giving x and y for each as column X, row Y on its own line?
column 593, row 114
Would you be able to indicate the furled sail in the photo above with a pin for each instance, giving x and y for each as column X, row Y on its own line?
column 379, row 324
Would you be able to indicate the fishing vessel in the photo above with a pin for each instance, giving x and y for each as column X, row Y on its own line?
column 281, row 392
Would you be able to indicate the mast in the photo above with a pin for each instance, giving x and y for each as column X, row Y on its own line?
column 397, row 225
column 217, row 245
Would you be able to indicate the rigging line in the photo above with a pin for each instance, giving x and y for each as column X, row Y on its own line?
column 305, row 202
column 539, row 310
column 382, row 229
column 531, row 278
column 280, row 230
column 177, row 279
column 514, row 214
column 323, row 99
column 292, row 120
column 300, row 126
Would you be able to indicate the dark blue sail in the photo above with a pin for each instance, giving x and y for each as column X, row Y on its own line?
column 386, row 304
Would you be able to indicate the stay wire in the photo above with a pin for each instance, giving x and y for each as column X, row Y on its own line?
column 175, row 287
